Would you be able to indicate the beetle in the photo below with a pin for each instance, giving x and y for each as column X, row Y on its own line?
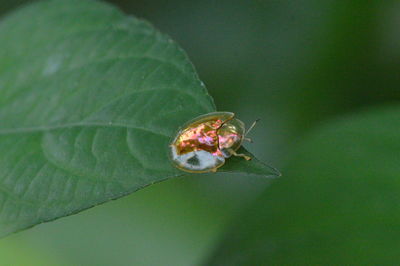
column 204, row 143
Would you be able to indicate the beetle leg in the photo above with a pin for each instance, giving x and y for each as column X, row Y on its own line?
column 248, row 139
column 247, row 158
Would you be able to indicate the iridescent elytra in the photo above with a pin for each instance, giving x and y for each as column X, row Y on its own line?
column 204, row 143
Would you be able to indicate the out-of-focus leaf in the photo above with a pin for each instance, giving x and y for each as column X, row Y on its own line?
column 89, row 100
column 338, row 204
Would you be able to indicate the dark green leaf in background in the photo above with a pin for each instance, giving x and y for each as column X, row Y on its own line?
column 338, row 204
column 89, row 100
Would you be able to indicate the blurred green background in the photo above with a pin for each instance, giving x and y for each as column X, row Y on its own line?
column 297, row 65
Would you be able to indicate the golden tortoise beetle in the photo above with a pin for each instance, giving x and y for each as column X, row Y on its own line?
column 203, row 143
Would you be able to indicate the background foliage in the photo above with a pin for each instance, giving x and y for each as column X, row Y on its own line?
column 323, row 77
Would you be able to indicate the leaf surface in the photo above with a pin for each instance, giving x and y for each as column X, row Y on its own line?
column 89, row 101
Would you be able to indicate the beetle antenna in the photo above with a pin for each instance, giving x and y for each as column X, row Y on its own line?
column 252, row 126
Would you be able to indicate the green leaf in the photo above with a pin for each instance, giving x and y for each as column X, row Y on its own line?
column 338, row 204
column 89, row 101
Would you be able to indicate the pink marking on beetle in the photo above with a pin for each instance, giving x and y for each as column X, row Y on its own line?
column 227, row 140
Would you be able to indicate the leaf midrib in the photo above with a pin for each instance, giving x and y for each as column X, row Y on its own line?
column 72, row 125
